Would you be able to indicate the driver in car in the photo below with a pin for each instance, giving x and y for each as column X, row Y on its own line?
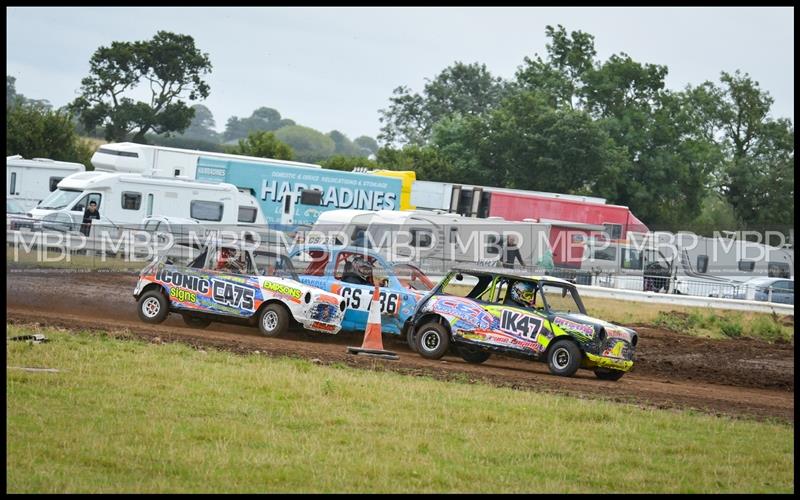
column 523, row 294
column 358, row 271
column 229, row 262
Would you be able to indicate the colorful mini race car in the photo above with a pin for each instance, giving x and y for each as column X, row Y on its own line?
column 476, row 313
column 233, row 283
column 353, row 272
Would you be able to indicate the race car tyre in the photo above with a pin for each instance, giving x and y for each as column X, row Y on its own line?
column 432, row 340
column 564, row 358
column 196, row 322
column 273, row 320
column 606, row 374
column 411, row 339
column 471, row 355
column 153, row 307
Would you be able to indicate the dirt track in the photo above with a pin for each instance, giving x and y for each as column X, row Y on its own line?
column 741, row 377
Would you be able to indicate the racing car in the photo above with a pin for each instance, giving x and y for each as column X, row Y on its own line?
column 477, row 312
column 353, row 272
column 232, row 282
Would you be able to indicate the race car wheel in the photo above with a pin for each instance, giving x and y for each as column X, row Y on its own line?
column 273, row 320
column 564, row 358
column 606, row 374
column 472, row 355
column 153, row 307
column 411, row 339
column 196, row 322
column 432, row 340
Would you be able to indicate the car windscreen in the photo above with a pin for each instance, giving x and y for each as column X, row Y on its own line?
column 272, row 264
column 59, row 199
column 561, row 299
column 411, row 277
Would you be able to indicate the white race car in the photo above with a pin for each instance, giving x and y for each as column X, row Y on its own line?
column 230, row 282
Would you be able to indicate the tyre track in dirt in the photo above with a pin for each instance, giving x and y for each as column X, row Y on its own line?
column 671, row 370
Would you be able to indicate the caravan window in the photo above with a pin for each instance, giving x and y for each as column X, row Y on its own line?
column 421, row 238
column 778, row 270
column 118, row 153
column 631, row 258
column 702, row 263
column 609, row 253
column 13, row 183
column 747, row 266
column 492, row 244
column 614, row 231
column 247, row 214
column 131, row 201
column 206, row 210
column 54, row 183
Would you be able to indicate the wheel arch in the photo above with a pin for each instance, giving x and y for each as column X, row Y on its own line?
column 273, row 301
column 435, row 318
column 569, row 338
column 154, row 286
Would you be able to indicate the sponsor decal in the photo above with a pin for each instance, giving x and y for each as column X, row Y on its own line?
column 465, row 310
column 583, row 328
column 282, row 289
column 328, row 299
column 616, row 351
column 323, row 326
column 617, row 333
column 187, row 281
column 182, row 295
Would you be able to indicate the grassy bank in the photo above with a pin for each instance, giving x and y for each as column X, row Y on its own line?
column 126, row 416
column 700, row 321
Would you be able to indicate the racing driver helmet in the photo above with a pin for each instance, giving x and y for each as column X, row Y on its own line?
column 524, row 293
column 362, row 268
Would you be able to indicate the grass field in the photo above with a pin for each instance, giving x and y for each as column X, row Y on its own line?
column 127, row 416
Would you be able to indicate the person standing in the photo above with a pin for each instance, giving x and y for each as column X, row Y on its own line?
column 90, row 213
column 512, row 253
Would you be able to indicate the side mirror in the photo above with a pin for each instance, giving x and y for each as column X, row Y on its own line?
column 459, row 277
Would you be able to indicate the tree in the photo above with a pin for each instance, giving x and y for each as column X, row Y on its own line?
column 32, row 131
column 263, row 118
column 465, row 89
column 343, row 145
column 263, row 144
column 309, row 145
column 202, row 125
column 348, row 163
column 14, row 99
column 169, row 64
column 426, row 161
column 367, row 144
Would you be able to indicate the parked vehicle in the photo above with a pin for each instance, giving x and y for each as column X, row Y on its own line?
column 232, row 282
column 16, row 215
column 278, row 185
column 476, row 313
column 766, row 290
column 30, row 181
column 353, row 273
column 437, row 240
column 128, row 198
column 684, row 263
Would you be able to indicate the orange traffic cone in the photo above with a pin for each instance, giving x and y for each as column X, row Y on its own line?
column 373, row 341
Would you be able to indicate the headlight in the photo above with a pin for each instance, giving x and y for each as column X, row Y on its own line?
column 308, row 297
column 634, row 340
column 601, row 335
column 343, row 306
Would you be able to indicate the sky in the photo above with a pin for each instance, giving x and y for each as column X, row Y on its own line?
column 333, row 68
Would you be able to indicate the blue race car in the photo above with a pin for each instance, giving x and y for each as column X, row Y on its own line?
column 351, row 271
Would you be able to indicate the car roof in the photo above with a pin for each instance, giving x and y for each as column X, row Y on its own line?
column 510, row 273
column 338, row 248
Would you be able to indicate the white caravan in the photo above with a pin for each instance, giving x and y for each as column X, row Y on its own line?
column 163, row 161
column 129, row 198
column 30, row 181
column 436, row 240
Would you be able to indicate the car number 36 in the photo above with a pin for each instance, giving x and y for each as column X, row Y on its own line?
column 359, row 298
